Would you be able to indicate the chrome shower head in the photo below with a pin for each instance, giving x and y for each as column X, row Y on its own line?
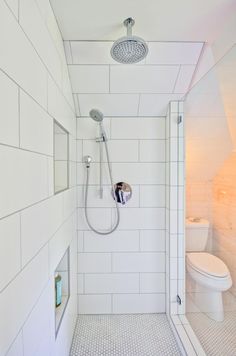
column 129, row 49
column 96, row 115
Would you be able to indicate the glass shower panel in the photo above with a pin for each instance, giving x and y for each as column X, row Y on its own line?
column 210, row 140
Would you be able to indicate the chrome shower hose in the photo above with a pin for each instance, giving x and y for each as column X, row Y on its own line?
column 113, row 191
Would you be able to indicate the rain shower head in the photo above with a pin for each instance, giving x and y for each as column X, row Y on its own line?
column 129, row 49
column 96, row 115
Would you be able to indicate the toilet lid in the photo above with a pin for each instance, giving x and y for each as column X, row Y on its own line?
column 207, row 263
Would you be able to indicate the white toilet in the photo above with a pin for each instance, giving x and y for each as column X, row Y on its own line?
column 210, row 275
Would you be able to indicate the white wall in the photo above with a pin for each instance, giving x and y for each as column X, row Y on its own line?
column 36, row 226
column 207, row 132
column 123, row 272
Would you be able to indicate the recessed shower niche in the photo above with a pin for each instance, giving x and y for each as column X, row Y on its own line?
column 61, row 158
column 62, row 288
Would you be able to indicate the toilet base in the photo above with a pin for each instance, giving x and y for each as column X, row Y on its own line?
column 208, row 301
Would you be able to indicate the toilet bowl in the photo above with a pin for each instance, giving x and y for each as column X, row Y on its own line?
column 211, row 277
column 209, row 274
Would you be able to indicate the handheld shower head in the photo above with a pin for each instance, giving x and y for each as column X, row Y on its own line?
column 96, row 115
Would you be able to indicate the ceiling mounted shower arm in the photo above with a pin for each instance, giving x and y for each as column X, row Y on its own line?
column 129, row 23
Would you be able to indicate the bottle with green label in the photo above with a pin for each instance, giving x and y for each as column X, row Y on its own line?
column 58, row 290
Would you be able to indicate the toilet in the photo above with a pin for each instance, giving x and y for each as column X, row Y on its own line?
column 208, row 274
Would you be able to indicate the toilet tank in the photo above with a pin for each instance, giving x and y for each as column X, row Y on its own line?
column 196, row 230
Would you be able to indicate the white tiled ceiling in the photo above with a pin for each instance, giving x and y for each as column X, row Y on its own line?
column 142, row 89
column 143, row 79
column 166, row 20
column 89, row 78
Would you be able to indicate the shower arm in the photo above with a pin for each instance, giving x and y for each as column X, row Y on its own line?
column 129, row 23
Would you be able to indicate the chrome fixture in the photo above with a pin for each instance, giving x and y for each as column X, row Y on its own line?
column 97, row 116
column 87, row 160
column 129, row 49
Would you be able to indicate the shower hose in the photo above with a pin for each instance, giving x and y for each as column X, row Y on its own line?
column 113, row 191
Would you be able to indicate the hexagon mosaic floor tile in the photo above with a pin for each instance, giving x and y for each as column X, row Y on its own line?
column 124, row 335
column 217, row 338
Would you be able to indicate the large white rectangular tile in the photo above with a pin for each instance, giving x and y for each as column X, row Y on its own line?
column 94, row 262
column 36, row 126
column 13, row 315
column 80, row 283
column 50, row 164
column 14, row 6
column 60, row 242
column 152, row 196
column 156, row 104
column 94, row 177
column 91, row 52
column 33, row 24
column 23, row 180
column 80, row 241
column 141, row 218
column 79, row 150
column 139, row 173
column 152, row 240
column 38, row 224
column 66, row 86
column 174, row 52
column 117, row 241
column 138, row 128
column 72, row 148
column 68, row 53
column 110, row 104
column 112, row 283
column 52, row 25
column 59, row 108
column 138, row 262
column 87, row 129
column 119, row 150
column 89, row 78
column 99, row 217
column 152, row 282
column 138, row 303
column 17, row 348
column 27, row 70
column 184, row 79
column 38, row 328
column 152, row 151
column 9, row 111
column 10, row 249
column 76, row 105
column 143, row 79
column 94, row 304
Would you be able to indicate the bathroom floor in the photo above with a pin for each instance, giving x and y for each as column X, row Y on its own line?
column 216, row 338
column 124, row 335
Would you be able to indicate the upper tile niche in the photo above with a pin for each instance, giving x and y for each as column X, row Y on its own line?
column 142, row 89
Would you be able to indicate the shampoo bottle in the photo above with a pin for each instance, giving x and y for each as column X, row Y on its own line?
column 58, row 290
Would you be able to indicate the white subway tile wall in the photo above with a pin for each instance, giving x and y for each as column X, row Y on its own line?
column 36, row 227
column 123, row 272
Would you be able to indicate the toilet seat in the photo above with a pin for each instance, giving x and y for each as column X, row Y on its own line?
column 207, row 264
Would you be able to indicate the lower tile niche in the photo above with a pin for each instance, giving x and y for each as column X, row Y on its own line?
column 63, row 270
